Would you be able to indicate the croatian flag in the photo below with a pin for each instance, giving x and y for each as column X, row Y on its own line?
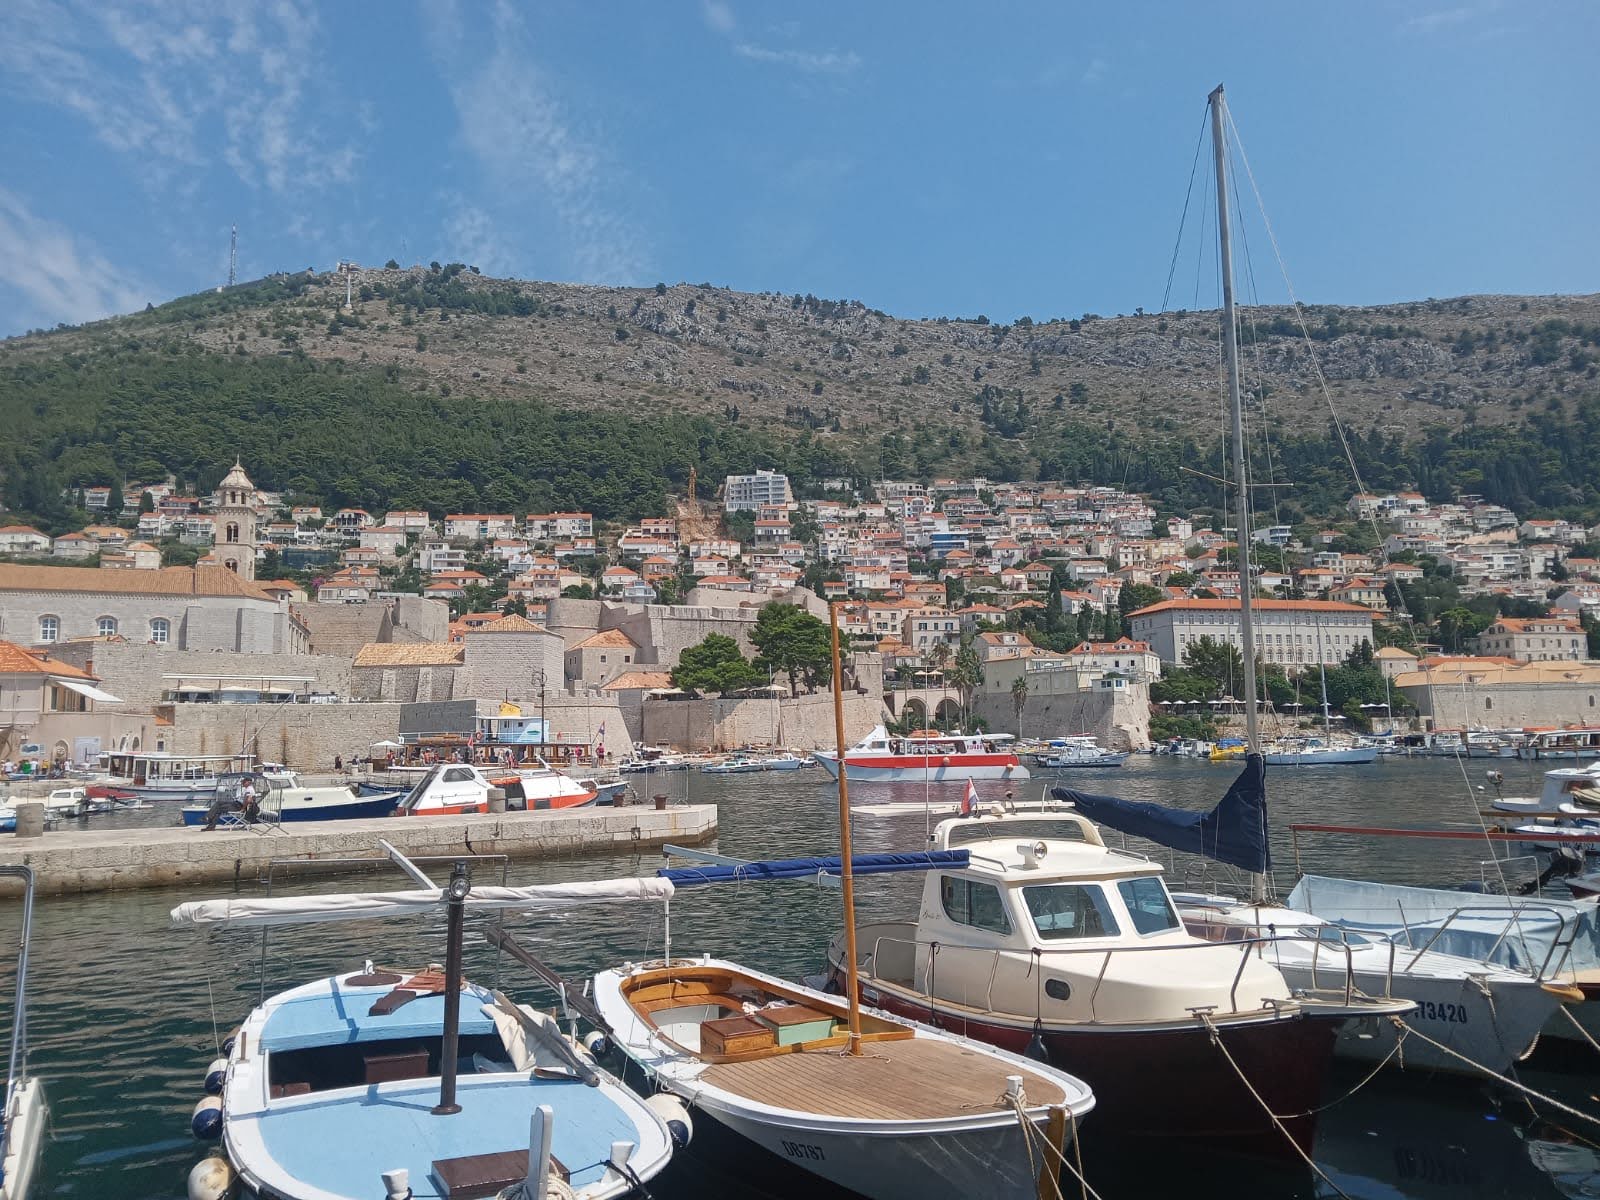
column 969, row 802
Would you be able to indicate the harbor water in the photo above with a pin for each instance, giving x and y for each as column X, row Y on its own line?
column 125, row 1013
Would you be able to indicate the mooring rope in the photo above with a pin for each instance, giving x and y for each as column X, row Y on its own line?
column 1578, row 1025
column 1030, row 1132
column 1509, row 1082
column 1216, row 1040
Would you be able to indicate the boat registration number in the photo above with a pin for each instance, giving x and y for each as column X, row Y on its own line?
column 1454, row 1014
column 802, row 1150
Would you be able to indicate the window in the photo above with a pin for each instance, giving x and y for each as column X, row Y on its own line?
column 233, row 565
column 1070, row 910
column 233, row 531
column 106, row 627
column 49, row 629
column 1148, row 905
column 160, row 630
column 457, row 775
column 975, row 904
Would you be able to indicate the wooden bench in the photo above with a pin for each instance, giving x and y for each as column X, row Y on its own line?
column 474, row 1176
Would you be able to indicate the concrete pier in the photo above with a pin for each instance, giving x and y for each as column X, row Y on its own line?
column 99, row 860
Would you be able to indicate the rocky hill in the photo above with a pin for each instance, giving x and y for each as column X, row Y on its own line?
column 941, row 394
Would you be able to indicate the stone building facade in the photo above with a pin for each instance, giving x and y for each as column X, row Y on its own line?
column 182, row 608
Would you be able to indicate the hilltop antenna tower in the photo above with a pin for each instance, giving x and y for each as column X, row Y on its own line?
column 233, row 256
column 348, row 270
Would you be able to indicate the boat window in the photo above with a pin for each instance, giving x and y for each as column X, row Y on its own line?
column 976, row 904
column 1148, row 905
column 1333, row 935
column 458, row 775
column 1070, row 910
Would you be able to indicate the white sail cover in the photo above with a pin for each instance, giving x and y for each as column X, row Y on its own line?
column 361, row 906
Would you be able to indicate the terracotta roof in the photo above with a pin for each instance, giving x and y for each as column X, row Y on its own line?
column 164, row 581
column 14, row 660
column 607, row 639
column 410, row 654
column 639, row 679
column 1261, row 605
column 511, row 624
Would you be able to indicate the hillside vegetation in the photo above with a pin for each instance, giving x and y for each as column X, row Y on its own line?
column 443, row 389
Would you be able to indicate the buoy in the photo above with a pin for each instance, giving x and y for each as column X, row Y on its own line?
column 212, row 1178
column 675, row 1113
column 1036, row 1050
column 216, row 1074
column 206, row 1122
column 231, row 1040
column 596, row 1043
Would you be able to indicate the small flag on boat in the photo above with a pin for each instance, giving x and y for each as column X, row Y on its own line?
column 969, row 802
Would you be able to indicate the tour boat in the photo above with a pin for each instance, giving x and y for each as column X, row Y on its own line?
column 453, row 788
column 417, row 1083
column 1050, row 941
column 281, row 797
column 155, row 775
column 939, row 757
column 23, row 1118
column 918, row 1113
column 1488, row 1013
column 1581, row 741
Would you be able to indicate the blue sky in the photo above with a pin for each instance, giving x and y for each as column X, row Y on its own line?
column 927, row 158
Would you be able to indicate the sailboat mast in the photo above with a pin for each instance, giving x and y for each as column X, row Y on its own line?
column 1230, row 340
column 847, row 877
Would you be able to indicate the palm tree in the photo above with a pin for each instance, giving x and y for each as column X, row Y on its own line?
column 1019, row 699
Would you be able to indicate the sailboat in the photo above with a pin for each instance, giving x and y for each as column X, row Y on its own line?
column 416, row 1082
column 1313, row 752
column 882, row 1105
column 22, row 1120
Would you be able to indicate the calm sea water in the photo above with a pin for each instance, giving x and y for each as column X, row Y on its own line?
column 126, row 1013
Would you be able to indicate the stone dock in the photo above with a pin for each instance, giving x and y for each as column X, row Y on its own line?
column 100, row 860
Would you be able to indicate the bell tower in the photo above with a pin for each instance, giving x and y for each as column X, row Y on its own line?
column 235, row 519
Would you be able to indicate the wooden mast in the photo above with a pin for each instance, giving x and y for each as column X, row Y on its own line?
column 846, row 868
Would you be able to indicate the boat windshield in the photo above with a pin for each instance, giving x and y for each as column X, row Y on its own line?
column 421, row 788
column 1070, row 910
column 1333, row 935
column 1148, row 905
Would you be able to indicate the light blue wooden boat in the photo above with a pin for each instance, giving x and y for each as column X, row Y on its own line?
column 373, row 1083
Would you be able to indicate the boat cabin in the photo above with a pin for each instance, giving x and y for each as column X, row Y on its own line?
column 157, row 767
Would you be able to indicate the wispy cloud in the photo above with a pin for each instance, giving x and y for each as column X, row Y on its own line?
column 147, row 78
column 525, row 139
column 1444, row 19
column 824, row 62
column 717, row 16
column 59, row 278
column 471, row 236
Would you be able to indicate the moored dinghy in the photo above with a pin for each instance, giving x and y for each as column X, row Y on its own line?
column 416, row 1082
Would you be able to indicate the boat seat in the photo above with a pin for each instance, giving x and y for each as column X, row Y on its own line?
column 278, row 1091
column 402, row 1064
column 473, row 1176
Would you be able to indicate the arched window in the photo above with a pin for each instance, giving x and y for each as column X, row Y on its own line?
column 160, row 630
column 106, row 627
column 1488, row 703
column 233, row 531
column 233, row 565
column 49, row 629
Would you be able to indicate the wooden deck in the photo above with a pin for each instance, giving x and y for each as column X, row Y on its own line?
column 918, row 1079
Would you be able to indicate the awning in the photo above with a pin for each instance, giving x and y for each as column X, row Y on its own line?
column 83, row 689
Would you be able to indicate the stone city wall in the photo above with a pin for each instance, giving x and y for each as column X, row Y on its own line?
column 803, row 723
column 1506, row 705
column 133, row 672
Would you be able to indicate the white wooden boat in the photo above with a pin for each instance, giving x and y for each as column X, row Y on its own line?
column 155, row 775
column 920, row 1113
column 417, row 1083
column 25, row 1111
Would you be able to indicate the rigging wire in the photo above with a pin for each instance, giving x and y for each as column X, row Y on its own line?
column 1172, row 267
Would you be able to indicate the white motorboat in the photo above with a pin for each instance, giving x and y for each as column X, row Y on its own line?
column 280, row 797
column 23, row 1118
column 1491, row 1014
column 1315, row 752
column 782, row 761
column 926, row 756
column 919, row 1113
column 418, row 1082
column 1069, row 753
column 64, row 804
column 734, row 764
column 1049, row 937
column 452, row 788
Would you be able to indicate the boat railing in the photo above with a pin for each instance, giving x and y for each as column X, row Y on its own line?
column 1247, row 947
column 1565, row 937
column 17, row 1062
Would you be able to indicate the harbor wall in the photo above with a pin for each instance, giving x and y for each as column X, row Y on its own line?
column 67, row 861
column 1118, row 718
column 305, row 737
column 806, row 722
column 1551, row 702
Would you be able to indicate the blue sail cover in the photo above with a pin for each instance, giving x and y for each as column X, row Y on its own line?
column 1234, row 832
column 810, row 868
